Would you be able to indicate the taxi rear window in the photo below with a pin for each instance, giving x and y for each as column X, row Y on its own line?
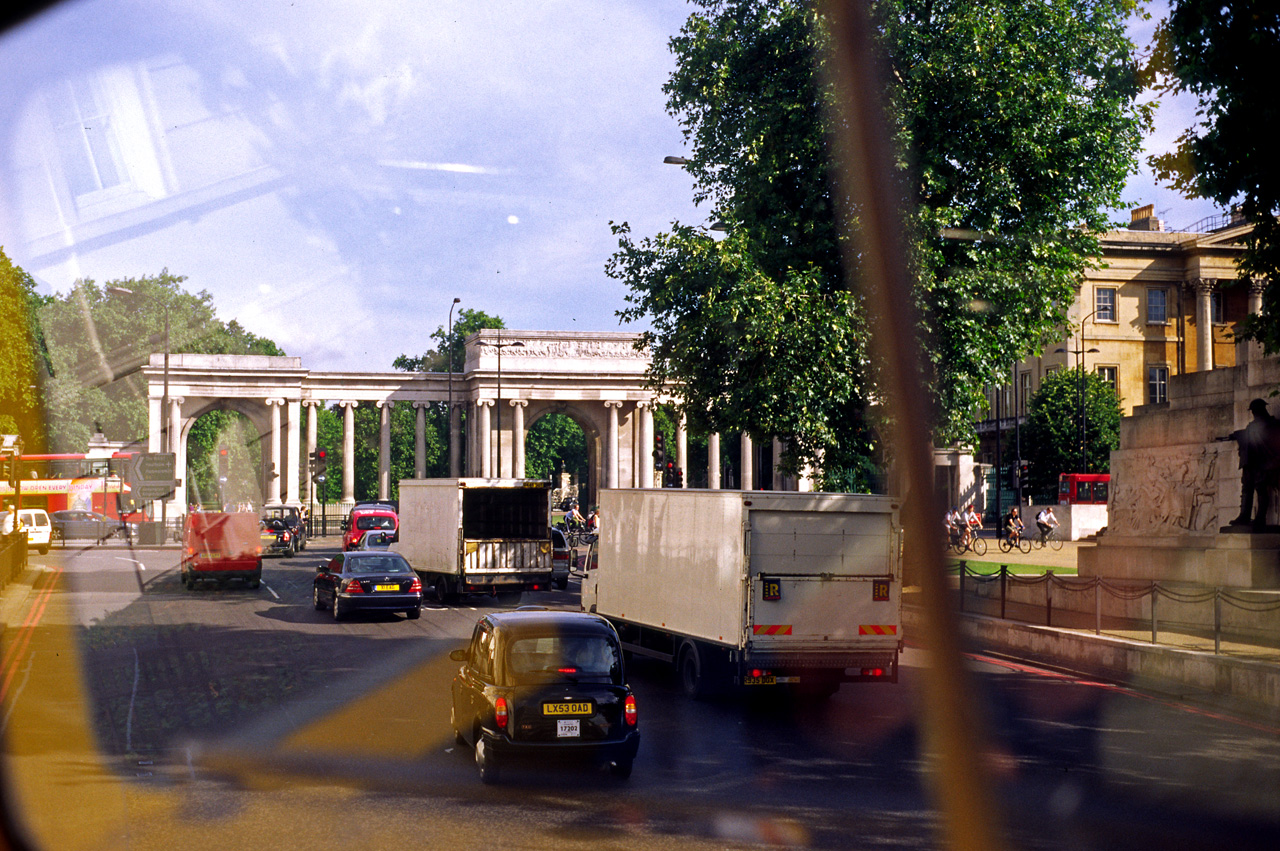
column 572, row 658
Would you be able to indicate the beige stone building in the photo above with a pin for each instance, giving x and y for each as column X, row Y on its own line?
column 1161, row 303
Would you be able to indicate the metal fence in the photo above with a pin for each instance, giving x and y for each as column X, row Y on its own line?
column 13, row 556
column 1248, row 617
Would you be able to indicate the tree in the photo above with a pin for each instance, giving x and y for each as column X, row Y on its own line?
column 22, row 353
column 1051, row 439
column 1224, row 53
column 1017, row 125
column 436, row 360
column 555, row 443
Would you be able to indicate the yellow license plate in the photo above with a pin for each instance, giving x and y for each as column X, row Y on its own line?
column 566, row 709
column 386, row 588
column 759, row 681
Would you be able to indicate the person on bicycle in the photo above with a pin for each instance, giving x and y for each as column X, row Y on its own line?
column 574, row 519
column 1013, row 525
column 952, row 523
column 972, row 523
column 1047, row 522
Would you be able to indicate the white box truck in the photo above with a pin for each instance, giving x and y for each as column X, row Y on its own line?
column 753, row 588
column 477, row 536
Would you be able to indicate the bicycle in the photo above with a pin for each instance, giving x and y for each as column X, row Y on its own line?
column 976, row 545
column 1049, row 539
column 1014, row 540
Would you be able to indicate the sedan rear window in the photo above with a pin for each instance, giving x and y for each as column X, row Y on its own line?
column 575, row 658
column 375, row 522
column 378, row 564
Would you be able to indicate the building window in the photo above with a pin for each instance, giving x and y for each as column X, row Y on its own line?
column 1157, row 306
column 1215, row 307
column 1110, row 377
column 1104, row 304
column 1024, row 392
column 1157, row 384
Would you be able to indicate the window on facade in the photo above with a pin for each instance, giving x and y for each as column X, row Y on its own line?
column 1104, row 304
column 85, row 136
column 1215, row 308
column 1024, row 391
column 1110, row 377
column 1157, row 306
column 1157, row 384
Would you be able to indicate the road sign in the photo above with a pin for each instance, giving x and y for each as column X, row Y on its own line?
column 151, row 475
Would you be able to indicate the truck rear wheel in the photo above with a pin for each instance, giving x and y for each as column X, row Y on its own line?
column 692, row 670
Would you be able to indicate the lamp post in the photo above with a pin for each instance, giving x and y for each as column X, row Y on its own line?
column 1084, row 439
column 448, row 417
column 500, row 346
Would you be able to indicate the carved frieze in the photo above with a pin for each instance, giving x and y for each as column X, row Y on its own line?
column 571, row 349
column 1171, row 490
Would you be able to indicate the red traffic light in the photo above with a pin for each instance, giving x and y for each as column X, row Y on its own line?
column 320, row 454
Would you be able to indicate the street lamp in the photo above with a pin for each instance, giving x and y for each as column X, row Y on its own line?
column 448, row 419
column 500, row 346
column 1084, row 439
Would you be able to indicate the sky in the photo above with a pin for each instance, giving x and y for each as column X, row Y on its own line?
column 335, row 173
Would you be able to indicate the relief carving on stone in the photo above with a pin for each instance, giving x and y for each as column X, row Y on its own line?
column 1167, row 491
column 611, row 349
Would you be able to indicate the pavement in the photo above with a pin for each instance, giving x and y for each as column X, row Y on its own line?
column 1241, row 676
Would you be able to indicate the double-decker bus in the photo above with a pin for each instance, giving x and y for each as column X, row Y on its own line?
column 69, row 481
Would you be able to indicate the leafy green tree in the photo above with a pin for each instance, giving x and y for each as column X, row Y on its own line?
column 556, row 443
column 1017, row 125
column 437, row 360
column 1223, row 53
column 22, row 353
column 1051, row 437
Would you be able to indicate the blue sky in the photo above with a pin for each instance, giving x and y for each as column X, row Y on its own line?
column 336, row 173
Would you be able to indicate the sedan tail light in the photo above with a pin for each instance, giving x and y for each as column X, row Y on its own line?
column 500, row 715
column 629, row 710
column 285, row 537
column 353, row 586
column 415, row 587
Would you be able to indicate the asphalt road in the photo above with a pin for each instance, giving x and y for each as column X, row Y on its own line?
column 220, row 717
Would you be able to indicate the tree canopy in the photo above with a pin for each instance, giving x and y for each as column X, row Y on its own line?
column 22, row 353
column 450, row 342
column 1223, row 53
column 1017, row 126
column 1051, row 440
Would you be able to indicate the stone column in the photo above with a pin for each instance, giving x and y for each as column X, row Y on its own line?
column 274, row 460
column 293, row 435
column 517, row 437
column 154, row 420
column 384, row 449
column 644, row 458
column 308, row 491
column 455, row 441
column 611, row 445
column 1204, row 288
column 682, row 449
column 178, row 447
column 420, row 440
column 348, row 453
column 713, row 461
column 484, row 438
column 748, row 474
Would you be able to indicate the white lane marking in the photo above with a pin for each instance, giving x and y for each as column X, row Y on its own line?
column 272, row 590
column 140, row 565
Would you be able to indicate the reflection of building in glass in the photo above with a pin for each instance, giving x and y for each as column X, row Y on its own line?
column 122, row 153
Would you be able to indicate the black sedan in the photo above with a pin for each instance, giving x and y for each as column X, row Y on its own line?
column 77, row 524
column 544, row 684
column 370, row 580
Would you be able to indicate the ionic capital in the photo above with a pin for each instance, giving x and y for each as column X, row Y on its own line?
column 518, row 403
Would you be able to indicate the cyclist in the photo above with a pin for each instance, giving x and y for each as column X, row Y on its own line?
column 972, row 523
column 1046, row 522
column 1013, row 525
column 952, row 522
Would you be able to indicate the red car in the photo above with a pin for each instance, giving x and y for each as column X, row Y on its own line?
column 369, row 517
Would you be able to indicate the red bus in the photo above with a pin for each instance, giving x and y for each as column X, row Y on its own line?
column 1083, row 488
column 58, row 482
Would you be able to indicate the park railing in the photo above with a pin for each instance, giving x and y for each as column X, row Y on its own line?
column 1203, row 612
column 13, row 556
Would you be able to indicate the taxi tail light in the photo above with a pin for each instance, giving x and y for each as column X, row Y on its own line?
column 629, row 710
column 353, row 586
column 286, row 537
column 415, row 586
column 760, row 672
column 873, row 672
column 500, row 715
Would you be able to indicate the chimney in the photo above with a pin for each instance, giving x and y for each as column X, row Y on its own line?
column 1144, row 218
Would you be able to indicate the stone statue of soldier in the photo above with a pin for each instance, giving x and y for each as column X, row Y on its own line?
column 1259, row 448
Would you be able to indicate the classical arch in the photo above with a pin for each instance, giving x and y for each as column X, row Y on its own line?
column 599, row 379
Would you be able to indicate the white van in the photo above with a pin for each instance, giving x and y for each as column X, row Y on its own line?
column 39, row 529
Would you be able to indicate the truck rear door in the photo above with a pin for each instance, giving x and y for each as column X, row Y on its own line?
column 823, row 582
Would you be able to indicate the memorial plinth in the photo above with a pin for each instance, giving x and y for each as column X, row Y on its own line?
column 1175, row 485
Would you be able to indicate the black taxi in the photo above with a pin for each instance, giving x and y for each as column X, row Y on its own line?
column 539, row 685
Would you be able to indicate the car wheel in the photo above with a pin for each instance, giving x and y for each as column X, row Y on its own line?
column 485, row 763
column 621, row 769
column 255, row 583
column 337, row 607
column 315, row 598
column 441, row 590
column 289, row 551
column 413, row 614
column 692, row 677
column 44, row 551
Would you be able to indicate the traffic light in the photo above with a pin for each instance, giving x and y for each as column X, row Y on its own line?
column 1014, row 471
column 659, row 452
column 321, row 462
column 669, row 475
column 679, row 482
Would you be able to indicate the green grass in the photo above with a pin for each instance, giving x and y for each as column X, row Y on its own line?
column 987, row 568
